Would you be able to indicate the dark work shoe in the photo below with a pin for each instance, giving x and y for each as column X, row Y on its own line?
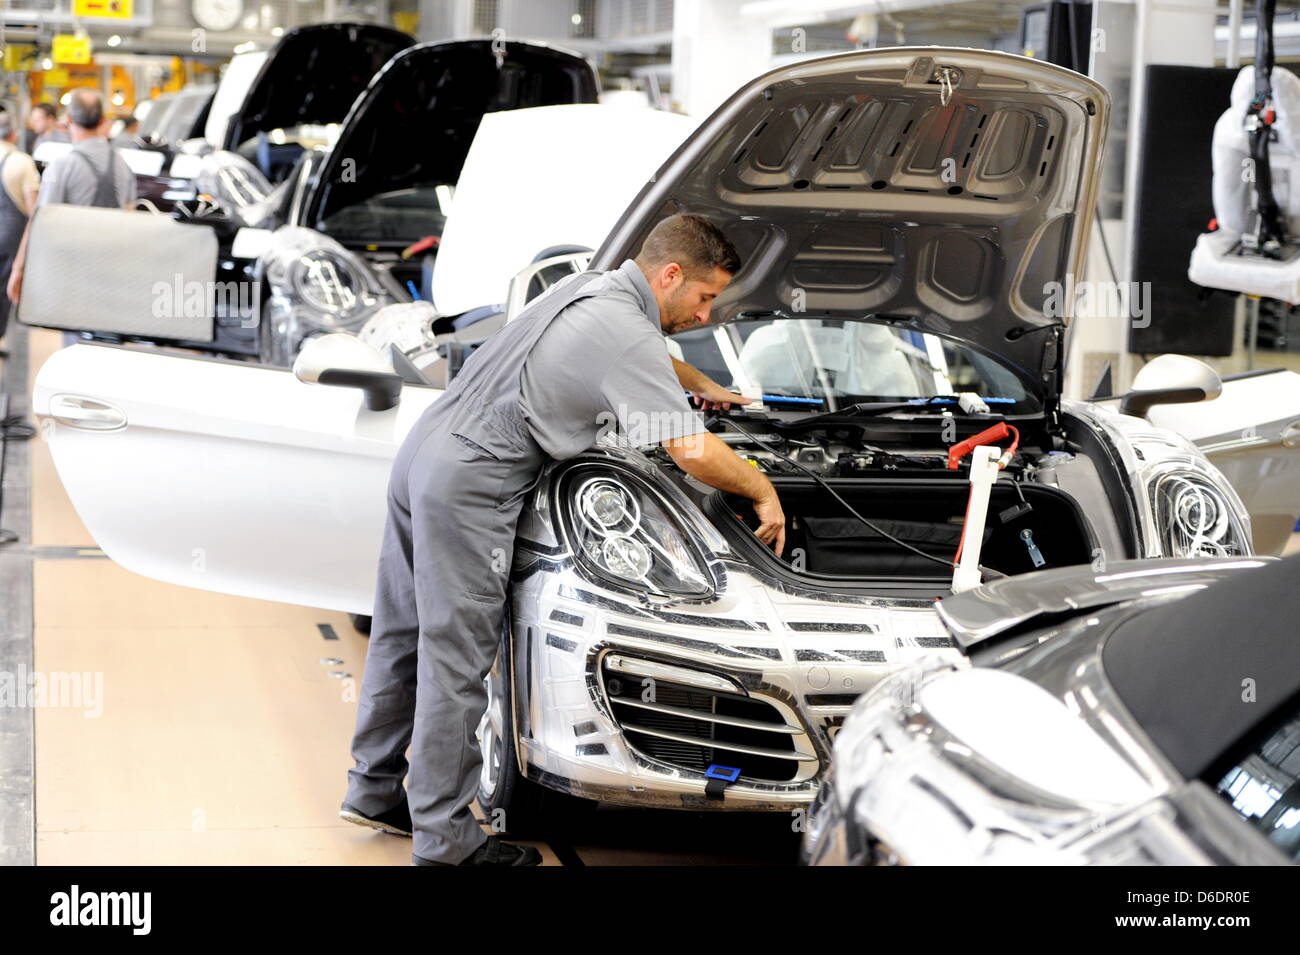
column 494, row 851
column 396, row 821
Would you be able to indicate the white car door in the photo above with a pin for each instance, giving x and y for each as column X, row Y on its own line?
column 224, row 475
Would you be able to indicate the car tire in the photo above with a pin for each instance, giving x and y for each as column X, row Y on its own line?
column 510, row 802
column 361, row 623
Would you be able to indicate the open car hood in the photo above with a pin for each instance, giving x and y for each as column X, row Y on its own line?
column 312, row 76
column 415, row 122
column 851, row 188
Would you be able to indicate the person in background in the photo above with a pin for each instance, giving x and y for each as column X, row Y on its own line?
column 89, row 174
column 19, row 183
column 43, row 124
column 128, row 136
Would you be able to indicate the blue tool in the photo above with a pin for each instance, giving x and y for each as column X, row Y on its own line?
column 720, row 777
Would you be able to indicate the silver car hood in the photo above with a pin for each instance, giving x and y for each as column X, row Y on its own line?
column 864, row 184
column 985, row 611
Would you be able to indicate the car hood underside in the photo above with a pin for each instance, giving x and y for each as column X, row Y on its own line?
column 946, row 189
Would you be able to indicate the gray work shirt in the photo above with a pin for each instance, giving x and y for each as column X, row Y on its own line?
column 70, row 180
column 601, row 364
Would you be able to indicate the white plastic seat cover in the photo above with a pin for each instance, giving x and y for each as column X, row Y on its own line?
column 1234, row 196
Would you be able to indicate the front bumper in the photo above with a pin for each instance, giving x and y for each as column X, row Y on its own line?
column 632, row 703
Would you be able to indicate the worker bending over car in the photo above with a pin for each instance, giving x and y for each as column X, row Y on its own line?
column 542, row 388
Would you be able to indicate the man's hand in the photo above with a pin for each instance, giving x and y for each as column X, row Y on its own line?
column 771, row 522
column 716, row 398
column 709, row 395
column 15, row 286
column 704, row 456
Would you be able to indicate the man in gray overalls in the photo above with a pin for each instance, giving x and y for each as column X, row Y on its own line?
column 539, row 389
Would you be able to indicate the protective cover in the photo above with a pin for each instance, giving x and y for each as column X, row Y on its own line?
column 1213, row 265
column 118, row 272
column 1233, row 193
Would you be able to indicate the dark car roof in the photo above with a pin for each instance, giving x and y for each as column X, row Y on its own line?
column 1180, row 667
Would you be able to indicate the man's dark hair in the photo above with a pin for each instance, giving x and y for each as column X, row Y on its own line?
column 86, row 108
column 47, row 109
column 693, row 242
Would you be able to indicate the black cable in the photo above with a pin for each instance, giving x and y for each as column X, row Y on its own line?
column 848, row 507
column 1105, row 246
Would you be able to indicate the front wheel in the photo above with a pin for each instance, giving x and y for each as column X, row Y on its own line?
column 510, row 802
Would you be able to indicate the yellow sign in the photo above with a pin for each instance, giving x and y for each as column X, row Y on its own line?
column 111, row 9
column 18, row 57
column 55, row 78
column 71, row 49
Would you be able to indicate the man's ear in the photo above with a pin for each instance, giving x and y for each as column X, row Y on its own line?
column 669, row 275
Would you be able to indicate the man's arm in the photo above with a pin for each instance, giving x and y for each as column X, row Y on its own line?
column 708, row 393
column 15, row 287
column 706, row 457
column 50, row 191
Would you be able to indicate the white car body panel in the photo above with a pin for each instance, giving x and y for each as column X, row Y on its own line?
column 216, row 456
column 1246, row 404
column 557, row 175
column 231, row 93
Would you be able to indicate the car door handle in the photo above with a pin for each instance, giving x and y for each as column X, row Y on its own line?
column 91, row 414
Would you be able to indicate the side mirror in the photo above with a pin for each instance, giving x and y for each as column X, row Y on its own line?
column 543, row 273
column 345, row 360
column 1171, row 380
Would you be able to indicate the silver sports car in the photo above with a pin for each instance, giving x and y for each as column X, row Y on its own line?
column 1148, row 715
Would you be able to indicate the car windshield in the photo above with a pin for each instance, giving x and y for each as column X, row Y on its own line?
column 402, row 216
column 824, row 364
column 1264, row 786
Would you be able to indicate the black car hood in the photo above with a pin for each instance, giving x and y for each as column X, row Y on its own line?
column 415, row 122
column 859, row 184
column 313, row 75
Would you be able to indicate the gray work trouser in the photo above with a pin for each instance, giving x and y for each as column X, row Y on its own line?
column 443, row 573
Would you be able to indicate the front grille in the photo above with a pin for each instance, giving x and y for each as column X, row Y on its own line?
column 692, row 728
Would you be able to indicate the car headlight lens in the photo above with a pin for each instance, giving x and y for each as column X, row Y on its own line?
column 1195, row 519
column 625, row 533
column 328, row 283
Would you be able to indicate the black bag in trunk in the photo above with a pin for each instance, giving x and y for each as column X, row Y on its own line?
column 846, row 547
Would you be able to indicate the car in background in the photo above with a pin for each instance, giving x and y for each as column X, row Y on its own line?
column 356, row 222
column 173, row 120
column 1148, row 715
column 656, row 652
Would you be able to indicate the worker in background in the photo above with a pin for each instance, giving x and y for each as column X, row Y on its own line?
column 19, row 182
column 43, row 126
column 128, row 137
column 91, row 173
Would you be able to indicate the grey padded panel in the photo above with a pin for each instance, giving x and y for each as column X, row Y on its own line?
column 126, row 273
